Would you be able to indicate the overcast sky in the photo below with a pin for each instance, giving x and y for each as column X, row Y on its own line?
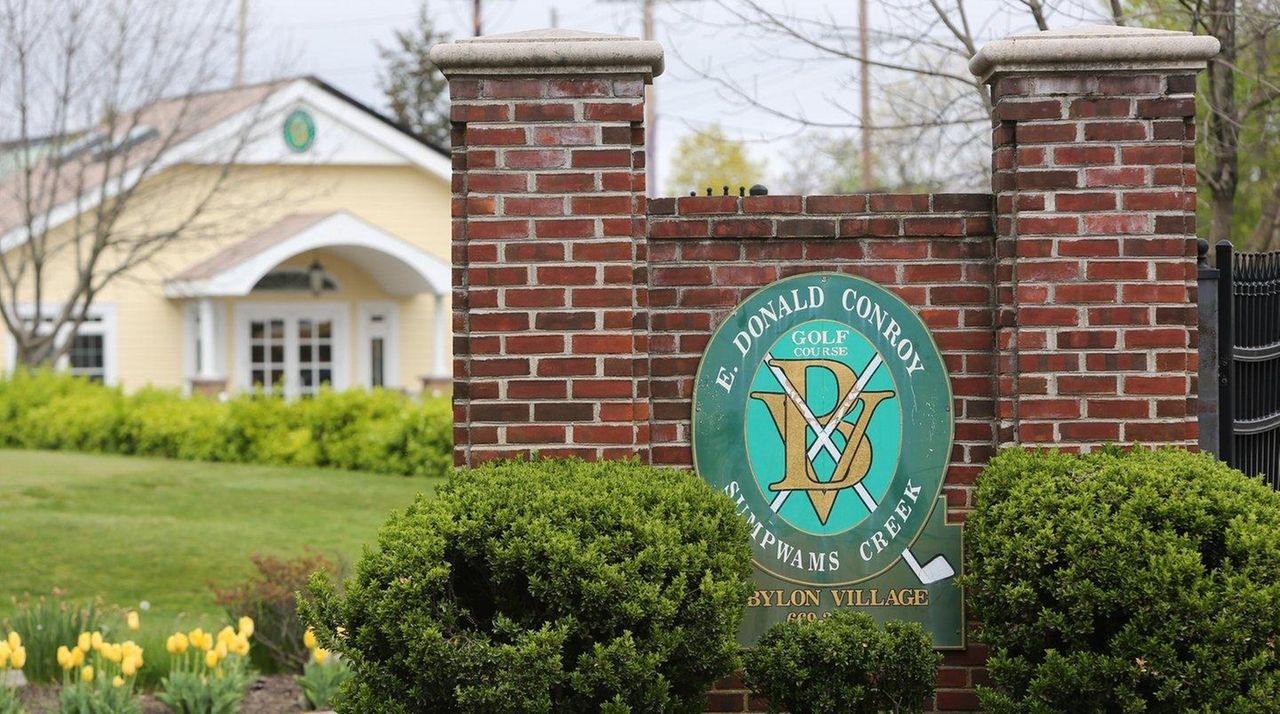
column 337, row 40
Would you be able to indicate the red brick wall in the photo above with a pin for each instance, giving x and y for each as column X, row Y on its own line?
column 1095, row 188
column 937, row 252
column 550, row 346
column 1063, row 303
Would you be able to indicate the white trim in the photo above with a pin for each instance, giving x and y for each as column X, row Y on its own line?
column 190, row 313
column 107, row 326
column 389, row 331
column 400, row 268
column 291, row 312
column 210, row 146
column 440, row 330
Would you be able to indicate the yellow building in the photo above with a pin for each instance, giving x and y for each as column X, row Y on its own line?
column 324, row 259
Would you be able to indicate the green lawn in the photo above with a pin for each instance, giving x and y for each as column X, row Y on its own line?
column 132, row 529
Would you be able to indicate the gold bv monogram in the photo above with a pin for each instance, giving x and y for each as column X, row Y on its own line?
column 792, row 428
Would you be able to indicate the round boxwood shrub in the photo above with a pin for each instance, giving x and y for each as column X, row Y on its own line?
column 1114, row 582
column 843, row 664
column 544, row 586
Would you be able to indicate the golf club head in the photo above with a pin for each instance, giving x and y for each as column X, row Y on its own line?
column 932, row 571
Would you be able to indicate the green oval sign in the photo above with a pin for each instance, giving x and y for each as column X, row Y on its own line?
column 823, row 409
column 299, row 130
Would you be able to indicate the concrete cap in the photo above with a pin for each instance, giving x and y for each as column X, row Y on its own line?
column 1100, row 48
column 552, row 51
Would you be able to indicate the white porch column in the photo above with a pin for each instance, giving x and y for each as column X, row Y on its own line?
column 208, row 337
column 441, row 333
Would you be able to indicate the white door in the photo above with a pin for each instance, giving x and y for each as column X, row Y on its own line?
column 295, row 349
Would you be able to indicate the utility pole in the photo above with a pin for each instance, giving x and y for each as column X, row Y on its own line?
column 651, row 115
column 555, row 16
column 651, row 102
column 476, row 17
column 865, row 81
column 242, row 40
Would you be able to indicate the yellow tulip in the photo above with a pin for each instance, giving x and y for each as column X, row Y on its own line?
column 211, row 659
column 96, row 641
column 85, row 642
column 4, row 655
column 129, row 667
column 113, row 653
column 180, row 643
column 321, row 654
column 64, row 657
column 226, row 634
column 19, row 658
column 197, row 639
column 246, row 626
column 86, row 674
column 131, row 620
column 241, row 646
column 309, row 639
column 14, row 641
column 118, row 682
column 221, row 649
column 77, row 658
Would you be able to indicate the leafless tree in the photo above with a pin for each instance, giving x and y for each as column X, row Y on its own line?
column 924, row 45
column 98, row 99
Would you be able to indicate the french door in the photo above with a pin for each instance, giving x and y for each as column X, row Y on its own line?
column 293, row 349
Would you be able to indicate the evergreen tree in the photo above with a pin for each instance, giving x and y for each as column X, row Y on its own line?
column 417, row 93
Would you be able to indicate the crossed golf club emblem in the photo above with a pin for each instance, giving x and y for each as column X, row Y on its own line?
column 934, row 570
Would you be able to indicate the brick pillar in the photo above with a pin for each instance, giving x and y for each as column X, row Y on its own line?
column 550, row 290
column 1094, row 175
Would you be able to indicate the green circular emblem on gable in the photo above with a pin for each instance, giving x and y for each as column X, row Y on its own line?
column 299, row 130
column 823, row 409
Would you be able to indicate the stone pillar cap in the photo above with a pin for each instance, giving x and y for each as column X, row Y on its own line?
column 551, row 51
column 1099, row 48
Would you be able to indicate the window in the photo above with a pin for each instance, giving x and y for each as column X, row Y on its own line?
column 377, row 345
column 266, row 354
column 87, row 357
column 315, row 355
column 292, row 281
column 293, row 349
column 91, row 353
column 376, row 363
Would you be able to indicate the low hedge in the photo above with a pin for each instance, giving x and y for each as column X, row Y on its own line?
column 544, row 586
column 843, row 664
column 378, row 431
column 1113, row 582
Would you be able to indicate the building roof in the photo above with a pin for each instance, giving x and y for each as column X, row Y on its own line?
column 233, row 255
column 400, row 267
column 171, row 131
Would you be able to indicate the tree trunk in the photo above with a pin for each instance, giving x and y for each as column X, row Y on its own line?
column 1223, row 125
column 1266, row 234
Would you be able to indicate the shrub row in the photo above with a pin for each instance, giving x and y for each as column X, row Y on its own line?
column 1111, row 582
column 378, row 431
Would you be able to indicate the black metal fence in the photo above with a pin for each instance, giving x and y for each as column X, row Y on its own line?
column 1240, row 352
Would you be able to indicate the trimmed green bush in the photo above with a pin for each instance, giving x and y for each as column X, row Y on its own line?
column 1113, row 582
column 544, row 586
column 378, row 431
column 843, row 664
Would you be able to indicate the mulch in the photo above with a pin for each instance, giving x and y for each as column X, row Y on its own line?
column 276, row 694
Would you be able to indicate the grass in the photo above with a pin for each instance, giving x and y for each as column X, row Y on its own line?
column 127, row 529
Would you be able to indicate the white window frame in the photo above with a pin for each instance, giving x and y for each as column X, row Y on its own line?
column 291, row 312
column 105, row 324
column 389, row 331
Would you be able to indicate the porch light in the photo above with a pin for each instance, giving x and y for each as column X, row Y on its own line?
column 315, row 277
